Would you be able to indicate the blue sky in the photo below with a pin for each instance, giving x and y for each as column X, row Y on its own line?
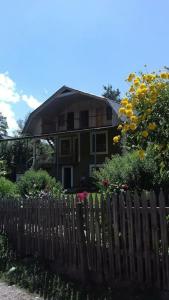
column 45, row 44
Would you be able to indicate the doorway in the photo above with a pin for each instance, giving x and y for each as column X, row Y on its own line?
column 67, row 177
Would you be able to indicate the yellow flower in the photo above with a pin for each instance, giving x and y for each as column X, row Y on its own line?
column 124, row 101
column 129, row 113
column 122, row 110
column 152, row 126
column 141, row 153
column 145, row 133
column 133, row 126
column 119, row 127
column 141, row 91
column 116, row 139
column 129, row 106
column 164, row 75
column 143, row 86
column 137, row 81
column 126, row 127
column 148, row 77
column 134, row 119
column 131, row 90
column 131, row 77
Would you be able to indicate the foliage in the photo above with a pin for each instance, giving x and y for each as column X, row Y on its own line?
column 110, row 93
column 33, row 183
column 129, row 172
column 3, row 126
column 2, row 168
column 146, row 112
column 8, row 188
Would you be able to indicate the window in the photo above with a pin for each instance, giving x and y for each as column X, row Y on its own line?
column 84, row 119
column 109, row 113
column 70, row 120
column 61, row 120
column 65, row 146
column 99, row 142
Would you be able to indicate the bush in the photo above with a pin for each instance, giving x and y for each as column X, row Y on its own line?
column 129, row 172
column 8, row 188
column 33, row 183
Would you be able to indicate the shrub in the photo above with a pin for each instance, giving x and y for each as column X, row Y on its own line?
column 130, row 172
column 33, row 183
column 8, row 188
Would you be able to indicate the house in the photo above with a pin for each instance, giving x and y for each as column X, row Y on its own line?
column 79, row 126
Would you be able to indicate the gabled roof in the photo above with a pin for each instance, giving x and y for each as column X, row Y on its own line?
column 66, row 91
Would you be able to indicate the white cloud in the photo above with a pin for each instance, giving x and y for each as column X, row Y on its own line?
column 8, row 91
column 31, row 101
column 7, row 112
column 9, row 95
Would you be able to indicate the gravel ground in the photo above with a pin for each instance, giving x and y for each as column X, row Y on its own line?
column 11, row 292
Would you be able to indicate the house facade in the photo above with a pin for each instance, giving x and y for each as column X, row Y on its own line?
column 79, row 127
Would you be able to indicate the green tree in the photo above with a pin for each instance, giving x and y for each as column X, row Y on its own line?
column 145, row 110
column 110, row 93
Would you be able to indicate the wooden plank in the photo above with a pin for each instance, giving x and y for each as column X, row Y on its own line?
column 98, row 237
column 138, row 237
column 124, row 237
column 130, row 236
column 110, row 239
column 155, row 241
column 116, row 236
column 92, row 234
column 146, row 238
column 164, row 242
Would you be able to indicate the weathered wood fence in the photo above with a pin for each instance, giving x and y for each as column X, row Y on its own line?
column 115, row 239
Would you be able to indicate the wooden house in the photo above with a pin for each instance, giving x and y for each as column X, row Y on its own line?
column 80, row 127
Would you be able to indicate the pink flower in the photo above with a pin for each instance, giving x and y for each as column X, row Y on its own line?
column 82, row 196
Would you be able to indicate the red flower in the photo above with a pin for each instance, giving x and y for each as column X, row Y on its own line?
column 124, row 187
column 105, row 183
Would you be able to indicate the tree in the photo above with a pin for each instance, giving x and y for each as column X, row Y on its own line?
column 146, row 112
column 110, row 93
column 3, row 126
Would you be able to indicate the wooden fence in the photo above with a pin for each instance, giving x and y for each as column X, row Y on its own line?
column 113, row 240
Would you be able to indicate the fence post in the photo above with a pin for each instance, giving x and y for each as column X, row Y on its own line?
column 20, row 233
column 82, row 244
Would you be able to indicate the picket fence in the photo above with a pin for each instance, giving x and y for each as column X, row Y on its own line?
column 114, row 240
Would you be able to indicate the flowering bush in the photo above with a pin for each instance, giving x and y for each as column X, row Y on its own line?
column 145, row 110
column 121, row 173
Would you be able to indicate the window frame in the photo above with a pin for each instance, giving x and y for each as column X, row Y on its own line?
column 60, row 148
column 91, row 141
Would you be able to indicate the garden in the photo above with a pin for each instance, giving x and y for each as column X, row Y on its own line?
column 115, row 218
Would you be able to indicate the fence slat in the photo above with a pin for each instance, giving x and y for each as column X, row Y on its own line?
column 106, row 238
column 146, row 238
column 164, row 241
